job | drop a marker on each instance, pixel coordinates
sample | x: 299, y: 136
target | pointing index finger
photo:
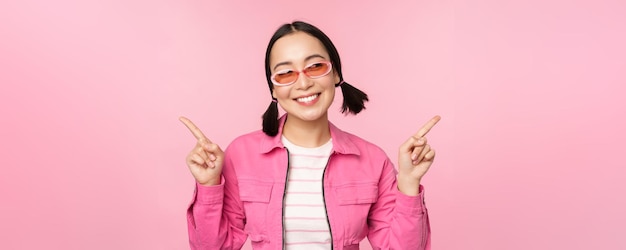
x: 430, y: 124
x: 194, y: 130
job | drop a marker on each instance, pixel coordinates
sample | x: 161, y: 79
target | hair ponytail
x: 353, y: 98
x: 270, y: 119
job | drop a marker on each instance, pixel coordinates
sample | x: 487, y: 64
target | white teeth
x: 307, y: 99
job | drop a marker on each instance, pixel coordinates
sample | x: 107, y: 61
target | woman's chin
x: 311, y: 116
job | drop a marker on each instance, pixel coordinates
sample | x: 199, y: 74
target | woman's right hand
x: 206, y: 159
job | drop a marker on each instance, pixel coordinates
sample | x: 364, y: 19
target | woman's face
x: 307, y: 99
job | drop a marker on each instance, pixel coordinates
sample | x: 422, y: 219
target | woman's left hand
x: 414, y: 159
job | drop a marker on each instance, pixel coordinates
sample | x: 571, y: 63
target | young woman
x: 302, y: 183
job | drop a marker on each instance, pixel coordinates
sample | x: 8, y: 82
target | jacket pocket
x: 256, y: 196
x: 359, y: 193
x: 355, y: 201
x: 255, y: 191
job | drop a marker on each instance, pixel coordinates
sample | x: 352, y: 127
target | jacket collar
x: 342, y: 143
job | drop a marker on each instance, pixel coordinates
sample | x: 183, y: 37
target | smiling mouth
x: 307, y: 98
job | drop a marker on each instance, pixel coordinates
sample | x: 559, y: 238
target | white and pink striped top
x: 306, y: 225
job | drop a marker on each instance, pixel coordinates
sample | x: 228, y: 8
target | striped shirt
x: 306, y: 225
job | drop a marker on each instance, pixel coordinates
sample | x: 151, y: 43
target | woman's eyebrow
x: 281, y: 63
x: 305, y: 59
x: 314, y: 56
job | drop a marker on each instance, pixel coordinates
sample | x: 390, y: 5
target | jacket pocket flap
x: 361, y: 193
x: 258, y: 237
x: 255, y: 191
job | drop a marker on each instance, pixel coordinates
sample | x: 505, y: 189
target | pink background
x: 530, y: 148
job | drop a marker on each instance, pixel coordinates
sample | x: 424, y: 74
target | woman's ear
x: 336, y: 77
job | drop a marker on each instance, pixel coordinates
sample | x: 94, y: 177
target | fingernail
x: 413, y: 156
x: 420, y: 140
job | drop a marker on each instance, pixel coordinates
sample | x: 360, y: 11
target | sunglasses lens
x: 285, y: 77
x: 314, y: 70
x: 317, y: 69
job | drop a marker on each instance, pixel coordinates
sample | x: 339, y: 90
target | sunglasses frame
x: 328, y: 63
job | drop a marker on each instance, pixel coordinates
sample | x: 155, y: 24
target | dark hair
x: 353, y: 98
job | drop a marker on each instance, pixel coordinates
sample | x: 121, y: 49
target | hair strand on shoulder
x: 353, y: 99
x: 270, y: 119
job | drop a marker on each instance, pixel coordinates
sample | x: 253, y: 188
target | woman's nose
x: 303, y: 81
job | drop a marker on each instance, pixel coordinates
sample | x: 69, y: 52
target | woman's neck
x: 308, y: 134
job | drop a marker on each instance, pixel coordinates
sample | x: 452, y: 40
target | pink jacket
x: 360, y: 195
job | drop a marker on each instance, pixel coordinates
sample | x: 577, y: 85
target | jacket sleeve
x: 398, y: 221
x: 215, y: 217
